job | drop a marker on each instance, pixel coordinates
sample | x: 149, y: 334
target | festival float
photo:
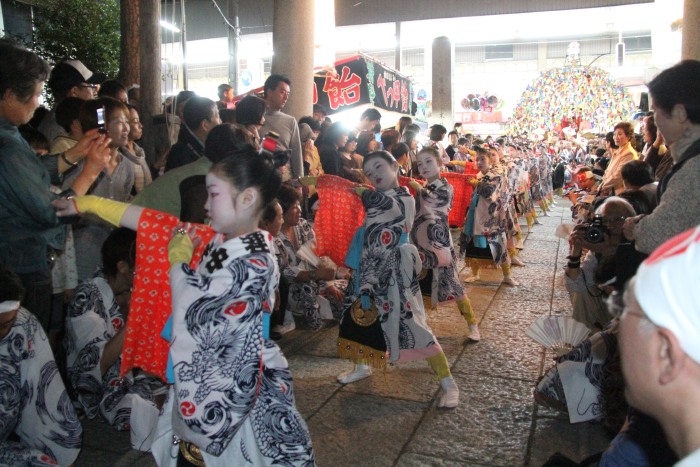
x: 571, y: 100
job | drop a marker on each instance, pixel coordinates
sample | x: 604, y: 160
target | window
x: 637, y: 44
x: 499, y: 52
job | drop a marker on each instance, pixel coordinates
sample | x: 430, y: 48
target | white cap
x: 80, y: 68
x: 9, y: 305
x: 668, y: 289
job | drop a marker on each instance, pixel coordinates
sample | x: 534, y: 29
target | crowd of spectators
x: 630, y: 194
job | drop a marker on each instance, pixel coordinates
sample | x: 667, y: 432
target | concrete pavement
x: 391, y: 419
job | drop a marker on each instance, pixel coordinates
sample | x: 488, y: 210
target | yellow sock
x: 465, y: 308
x: 506, y: 269
x: 475, y: 269
x: 533, y: 214
x: 440, y: 365
x: 512, y: 252
x: 528, y: 218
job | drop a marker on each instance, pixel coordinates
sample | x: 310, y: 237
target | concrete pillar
x: 691, y: 34
x: 293, y: 46
x: 443, y: 69
x: 397, y: 50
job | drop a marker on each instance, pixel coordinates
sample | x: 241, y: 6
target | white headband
x: 8, y: 306
x: 668, y: 289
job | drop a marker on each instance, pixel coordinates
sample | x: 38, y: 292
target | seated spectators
x: 38, y: 425
x: 314, y: 291
x: 638, y: 176
x: 675, y: 95
x: 95, y: 329
x: 624, y: 138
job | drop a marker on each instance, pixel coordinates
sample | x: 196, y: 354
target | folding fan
x: 558, y: 333
x: 307, y: 252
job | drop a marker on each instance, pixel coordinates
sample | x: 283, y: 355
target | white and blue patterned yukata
x: 233, y: 395
x: 38, y: 425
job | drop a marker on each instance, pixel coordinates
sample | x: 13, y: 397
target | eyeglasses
x: 86, y: 85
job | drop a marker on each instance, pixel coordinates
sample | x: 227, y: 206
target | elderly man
x: 587, y: 297
x: 660, y: 342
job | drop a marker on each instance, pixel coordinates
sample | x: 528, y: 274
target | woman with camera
x: 29, y: 230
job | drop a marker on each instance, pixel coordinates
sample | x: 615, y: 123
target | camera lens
x: 594, y: 234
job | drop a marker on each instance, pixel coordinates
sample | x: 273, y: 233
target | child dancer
x: 233, y: 401
x: 483, y: 238
x: 387, y: 273
x: 431, y: 235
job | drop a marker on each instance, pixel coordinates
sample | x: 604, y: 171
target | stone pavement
x: 391, y: 419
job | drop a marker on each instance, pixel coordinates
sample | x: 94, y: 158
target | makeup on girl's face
x: 381, y: 173
x: 220, y: 206
x: 427, y: 166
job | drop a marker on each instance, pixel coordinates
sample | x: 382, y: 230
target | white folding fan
x: 558, y: 333
x: 307, y: 252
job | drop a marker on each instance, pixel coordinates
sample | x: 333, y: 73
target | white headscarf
x: 668, y: 289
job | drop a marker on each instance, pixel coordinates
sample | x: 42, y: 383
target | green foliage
x: 87, y: 30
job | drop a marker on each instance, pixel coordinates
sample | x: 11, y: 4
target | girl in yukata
x: 385, y: 318
x: 232, y: 401
x: 315, y: 292
x: 483, y: 238
x: 94, y: 340
x: 431, y: 235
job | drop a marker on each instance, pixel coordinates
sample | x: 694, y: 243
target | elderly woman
x: 675, y: 96
x: 313, y: 291
x: 612, y: 180
x: 29, y: 230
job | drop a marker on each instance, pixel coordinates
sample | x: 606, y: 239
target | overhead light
x: 168, y: 26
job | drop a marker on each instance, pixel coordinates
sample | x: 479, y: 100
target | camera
x: 595, y: 230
